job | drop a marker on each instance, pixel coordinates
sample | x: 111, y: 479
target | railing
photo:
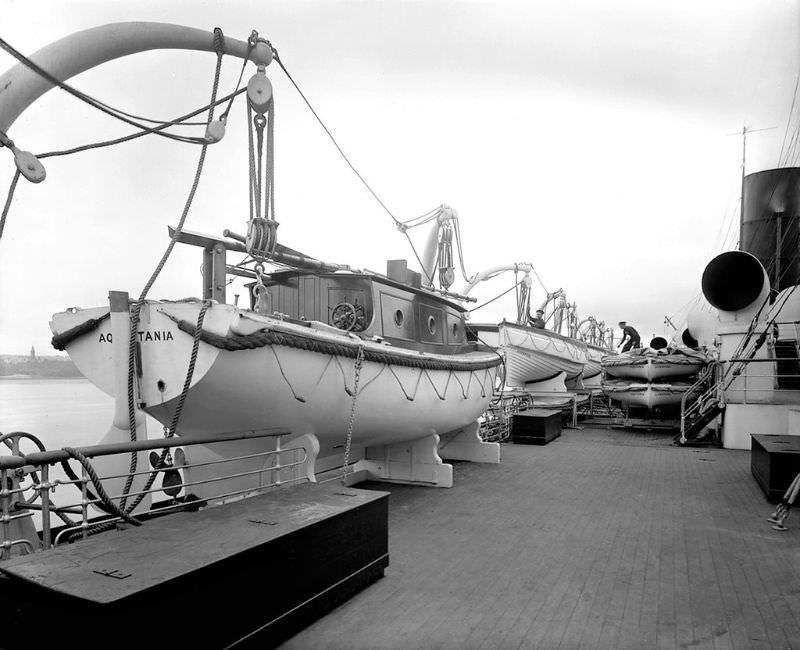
x: 709, y: 378
x: 748, y: 377
x: 26, y: 485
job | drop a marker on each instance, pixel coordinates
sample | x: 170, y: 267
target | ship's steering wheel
x: 344, y: 316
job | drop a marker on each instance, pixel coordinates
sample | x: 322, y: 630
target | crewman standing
x: 632, y: 336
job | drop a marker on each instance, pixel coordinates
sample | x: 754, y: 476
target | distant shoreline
x: 39, y: 377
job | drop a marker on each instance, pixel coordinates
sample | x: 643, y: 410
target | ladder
x: 701, y: 403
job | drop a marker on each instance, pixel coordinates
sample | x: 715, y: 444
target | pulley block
x: 259, y: 92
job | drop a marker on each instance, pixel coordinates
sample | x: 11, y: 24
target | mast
x: 744, y: 133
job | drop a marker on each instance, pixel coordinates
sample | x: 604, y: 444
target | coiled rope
x: 107, y: 502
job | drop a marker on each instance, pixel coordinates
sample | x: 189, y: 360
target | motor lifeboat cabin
x: 395, y: 307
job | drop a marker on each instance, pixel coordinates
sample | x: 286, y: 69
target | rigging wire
x: 9, y: 197
x: 108, y: 143
x: 497, y: 297
x: 139, y: 134
x: 789, y: 119
x: 88, y: 99
x: 276, y: 57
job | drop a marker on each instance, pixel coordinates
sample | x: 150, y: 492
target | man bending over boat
x: 632, y: 336
x: 537, y: 321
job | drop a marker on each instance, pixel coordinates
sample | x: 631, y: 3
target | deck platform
x: 601, y: 539
x: 245, y: 574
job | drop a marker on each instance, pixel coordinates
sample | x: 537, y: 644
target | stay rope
x: 176, y: 416
x: 9, y: 198
x: 497, y: 297
x: 136, y: 309
x: 276, y: 57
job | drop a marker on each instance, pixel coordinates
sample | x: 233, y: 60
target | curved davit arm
x: 20, y: 86
x: 488, y: 274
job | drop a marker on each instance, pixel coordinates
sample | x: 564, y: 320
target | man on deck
x: 537, y: 321
x: 632, y: 336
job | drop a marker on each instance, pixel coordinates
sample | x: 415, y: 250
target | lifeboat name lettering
x: 147, y: 335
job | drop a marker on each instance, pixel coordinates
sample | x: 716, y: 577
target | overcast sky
x: 590, y: 139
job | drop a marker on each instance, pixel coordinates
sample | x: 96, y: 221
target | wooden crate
x: 535, y: 426
x: 774, y: 462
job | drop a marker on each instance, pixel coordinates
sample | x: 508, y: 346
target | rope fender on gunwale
x: 264, y: 337
x: 61, y: 341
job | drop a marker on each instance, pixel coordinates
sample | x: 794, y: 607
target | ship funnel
x: 736, y: 284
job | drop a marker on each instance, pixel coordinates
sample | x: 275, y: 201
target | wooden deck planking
x: 602, y: 539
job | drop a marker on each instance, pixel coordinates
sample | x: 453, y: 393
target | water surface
x: 57, y: 411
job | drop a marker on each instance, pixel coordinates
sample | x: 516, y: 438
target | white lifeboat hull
x: 296, y: 383
x: 650, y: 366
x: 648, y: 395
x: 534, y: 355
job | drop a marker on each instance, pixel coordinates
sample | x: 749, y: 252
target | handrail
x: 267, y: 472
x: 109, y: 449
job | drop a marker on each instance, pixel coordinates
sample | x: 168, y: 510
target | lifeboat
x: 594, y: 364
x: 532, y: 354
x: 403, y: 356
x: 646, y: 394
x: 652, y: 365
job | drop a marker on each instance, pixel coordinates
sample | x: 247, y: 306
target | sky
x: 592, y: 140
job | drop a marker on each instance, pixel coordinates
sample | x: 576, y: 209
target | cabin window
x: 398, y: 318
x: 431, y: 325
x: 455, y: 330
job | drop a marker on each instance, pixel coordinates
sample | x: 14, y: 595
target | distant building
x: 32, y: 355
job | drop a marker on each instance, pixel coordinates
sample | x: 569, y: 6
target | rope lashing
x: 61, y: 341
